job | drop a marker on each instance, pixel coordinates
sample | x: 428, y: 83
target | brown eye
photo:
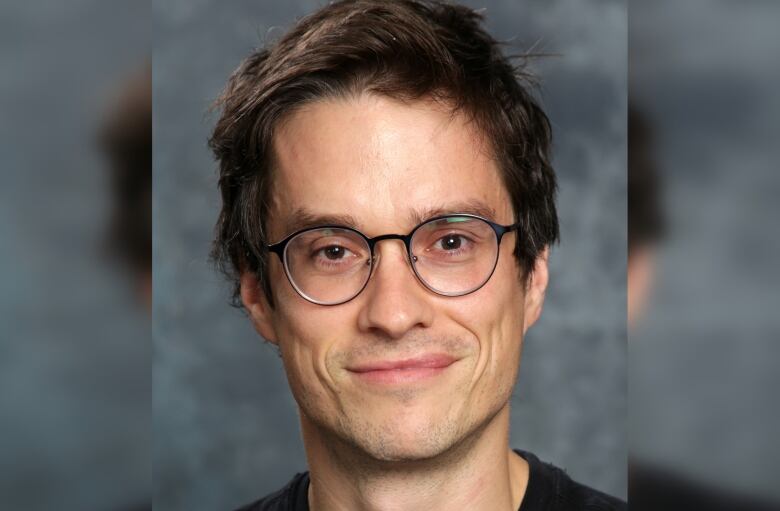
x: 333, y: 252
x: 335, y: 256
x: 451, y: 242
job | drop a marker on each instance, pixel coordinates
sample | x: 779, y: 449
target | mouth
x: 389, y: 372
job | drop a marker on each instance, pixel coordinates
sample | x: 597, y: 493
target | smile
x: 403, y: 371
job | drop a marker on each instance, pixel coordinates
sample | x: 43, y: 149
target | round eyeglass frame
x: 280, y: 249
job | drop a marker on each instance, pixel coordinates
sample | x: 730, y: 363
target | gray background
x: 703, y: 362
x: 75, y: 351
x: 225, y: 424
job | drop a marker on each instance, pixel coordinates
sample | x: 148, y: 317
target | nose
x: 395, y: 302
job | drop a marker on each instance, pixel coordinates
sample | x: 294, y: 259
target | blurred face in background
x: 391, y: 165
x: 125, y: 137
x: 645, y: 215
x: 641, y: 266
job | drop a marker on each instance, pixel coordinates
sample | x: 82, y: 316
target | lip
x: 403, y: 371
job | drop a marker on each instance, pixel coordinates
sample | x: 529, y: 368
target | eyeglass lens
x: 451, y: 256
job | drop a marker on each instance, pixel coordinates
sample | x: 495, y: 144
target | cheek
x: 498, y: 306
x: 494, y: 315
x: 303, y: 329
x: 302, y: 354
x: 307, y: 335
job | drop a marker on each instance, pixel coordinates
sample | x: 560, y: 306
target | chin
x: 392, y: 450
x: 406, y: 439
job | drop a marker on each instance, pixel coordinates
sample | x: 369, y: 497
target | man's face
x: 382, y: 162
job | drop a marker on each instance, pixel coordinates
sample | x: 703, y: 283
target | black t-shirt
x: 652, y: 487
x: 549, y: 489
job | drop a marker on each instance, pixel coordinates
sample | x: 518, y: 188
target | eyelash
x: 459, y: 250
x: 321, y: 259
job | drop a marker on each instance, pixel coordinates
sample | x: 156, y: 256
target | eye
x: 451, y: 242
x: 336, y: 255
x: 334, y: 252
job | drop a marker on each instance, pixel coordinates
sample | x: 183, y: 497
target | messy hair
x: 402, y: 49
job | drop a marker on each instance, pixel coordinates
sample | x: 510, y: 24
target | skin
x: 641, y: 265
x: 440, y: 442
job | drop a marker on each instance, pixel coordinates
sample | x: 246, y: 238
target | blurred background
x: 75, y: 352
x: 225, y: 424
x: 703, y: 352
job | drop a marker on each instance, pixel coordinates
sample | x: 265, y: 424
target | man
x: 388, y: 208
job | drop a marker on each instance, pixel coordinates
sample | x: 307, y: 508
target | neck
x: 479, y: 473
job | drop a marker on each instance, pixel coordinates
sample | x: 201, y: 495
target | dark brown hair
x: 404, y: 49
x: 126, y: 139
x: 645, y: 219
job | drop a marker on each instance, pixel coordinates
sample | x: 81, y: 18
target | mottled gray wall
x: 225, y: 424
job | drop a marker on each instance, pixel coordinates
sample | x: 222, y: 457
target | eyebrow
x: 303, y: 218
x: 472, y: 207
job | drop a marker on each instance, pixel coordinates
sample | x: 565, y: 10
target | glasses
x: 451, y: 255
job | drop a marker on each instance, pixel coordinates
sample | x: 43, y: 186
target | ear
x: 535, y: 289
x: 257, y: 306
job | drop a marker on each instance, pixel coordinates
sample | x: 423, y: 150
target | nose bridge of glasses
x: 372, y: 242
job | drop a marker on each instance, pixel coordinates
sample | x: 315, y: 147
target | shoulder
x: 656, y: 487
x: 293, y: 497
x: 580, y: 496
x: 551, y: 488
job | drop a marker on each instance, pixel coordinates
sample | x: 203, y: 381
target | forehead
x: 383, y: 162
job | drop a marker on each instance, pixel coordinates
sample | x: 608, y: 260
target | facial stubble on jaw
x: 355, y: 440
x: 380, y: 458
